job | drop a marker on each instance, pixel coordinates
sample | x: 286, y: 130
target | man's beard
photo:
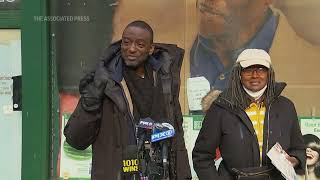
x: 134, y: 64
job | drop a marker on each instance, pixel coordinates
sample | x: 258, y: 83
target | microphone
x: 165, y: 162
x: 144, y: 128
x: 146, y: 123
x: 162, y: 132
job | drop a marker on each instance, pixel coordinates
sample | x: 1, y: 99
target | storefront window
x: 10, y: 104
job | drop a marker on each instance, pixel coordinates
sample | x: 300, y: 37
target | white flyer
x: 197, y: 88
x: 278, y: 159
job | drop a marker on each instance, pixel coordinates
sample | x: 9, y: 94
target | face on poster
x: 310, y: 128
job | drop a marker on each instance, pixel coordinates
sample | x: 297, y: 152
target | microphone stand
x: 165, y: 160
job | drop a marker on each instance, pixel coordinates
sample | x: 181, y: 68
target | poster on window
x: 310, y: 129
x: 75, y: 164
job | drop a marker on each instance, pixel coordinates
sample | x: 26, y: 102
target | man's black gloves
x: 92, y: 87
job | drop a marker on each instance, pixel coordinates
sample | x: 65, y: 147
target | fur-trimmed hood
x: 208, y: 99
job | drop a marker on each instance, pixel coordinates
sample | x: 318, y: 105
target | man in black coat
x: 136, y: 79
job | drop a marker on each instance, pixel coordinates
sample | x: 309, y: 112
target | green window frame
x: 35, y: 86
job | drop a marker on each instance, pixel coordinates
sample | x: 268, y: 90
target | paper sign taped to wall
x: 197, y: 88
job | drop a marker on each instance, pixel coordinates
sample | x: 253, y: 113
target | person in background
x: 135, y: 79
x: 245, y: 121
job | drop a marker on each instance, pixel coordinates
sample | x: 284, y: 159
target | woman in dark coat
x: 245, y: 121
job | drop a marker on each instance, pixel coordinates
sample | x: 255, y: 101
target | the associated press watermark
x: 7, y: 1
x: 61, y: 18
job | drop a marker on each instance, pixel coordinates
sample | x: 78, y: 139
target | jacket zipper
x: 268, y: 131
x: 128, y: 109
x: 268, y: 127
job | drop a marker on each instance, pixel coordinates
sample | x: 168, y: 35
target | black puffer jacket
x: 107, y: 129
x: 231, y: 130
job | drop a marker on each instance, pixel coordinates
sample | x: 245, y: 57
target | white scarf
x: 255, y: 95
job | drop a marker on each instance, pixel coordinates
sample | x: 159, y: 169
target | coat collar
x: 226, y: 104
x: 117, y: 73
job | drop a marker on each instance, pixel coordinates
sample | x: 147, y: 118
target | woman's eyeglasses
x: 250, y: 70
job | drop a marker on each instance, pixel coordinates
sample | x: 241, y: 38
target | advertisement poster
x: 75, y: 164
x: 310, y: 126
x: 287, y: 29
x: 310, y: 129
